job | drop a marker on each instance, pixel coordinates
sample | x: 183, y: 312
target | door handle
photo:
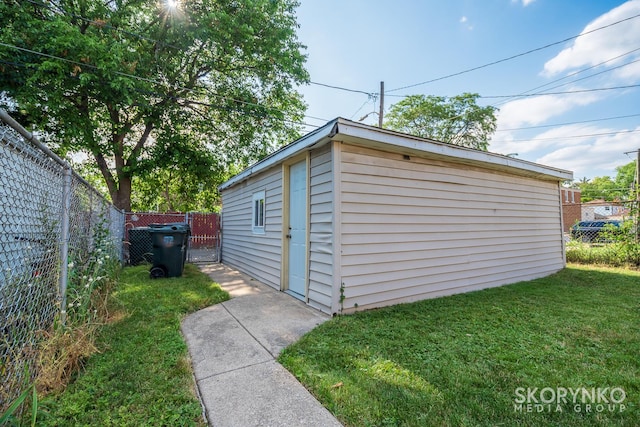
x: 288, y: 236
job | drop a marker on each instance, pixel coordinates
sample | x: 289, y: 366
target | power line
x: 560, y: 93
x: 570, y: 137
x: 173, y: 97
x: 316, y: 118
x: 361, y: 107
x: 550, y: 93
x: 82, y: 64
x: 512, y: 57
x: 569, y: 123
x: 156, y: 82
x: 526, y: 93
x: 344, y: 89
x: 582, y: 71
x: 102, y: 24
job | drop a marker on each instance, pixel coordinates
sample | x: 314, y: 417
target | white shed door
x: 298, y: 228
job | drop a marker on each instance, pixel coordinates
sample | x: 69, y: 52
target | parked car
x: 594, y: 231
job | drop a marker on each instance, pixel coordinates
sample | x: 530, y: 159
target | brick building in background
x: 571, y: 207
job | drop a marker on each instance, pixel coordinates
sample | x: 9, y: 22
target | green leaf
x: 118, y: 79
x: 16, y: 404
x: 457, y: 120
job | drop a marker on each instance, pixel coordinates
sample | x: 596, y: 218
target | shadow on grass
x: 458, y: 360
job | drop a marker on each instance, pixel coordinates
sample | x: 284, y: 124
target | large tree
x: 603, y: 187
x: 145, y: 85
x: 456, y: 120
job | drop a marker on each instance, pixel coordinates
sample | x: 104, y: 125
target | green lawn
x: 143, y: 374
x: 458, y: 360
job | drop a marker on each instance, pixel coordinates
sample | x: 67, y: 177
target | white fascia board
x: 309, y: 140
x: 463, y: 154
x: 370, y: 136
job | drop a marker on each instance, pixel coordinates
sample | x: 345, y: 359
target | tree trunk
x: 122, y: 196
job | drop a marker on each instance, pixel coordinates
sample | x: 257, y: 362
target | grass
x: 618, y: 254
x: 457, y: 361
x: 142, y: 375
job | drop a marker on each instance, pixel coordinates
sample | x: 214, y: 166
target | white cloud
x: 627, y: 74
x: 564, y: 148
x: 464, y: 21
x: 538, y: 109
x: 563, y: 136
x: 594, y: 48
x: 592, y: 156
x: 525, y: 3
x: 588, y: 155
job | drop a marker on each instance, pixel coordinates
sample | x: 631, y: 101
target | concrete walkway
x: 233, y: 346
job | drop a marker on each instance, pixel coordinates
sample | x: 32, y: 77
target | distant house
x: 602, y: 209
x: 352, y: 217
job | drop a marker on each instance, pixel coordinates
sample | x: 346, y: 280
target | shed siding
x: 321, y: 232
x: 258, y: 255
x: 418, y: 228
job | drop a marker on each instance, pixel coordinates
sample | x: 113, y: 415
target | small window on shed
x: 258, y: 214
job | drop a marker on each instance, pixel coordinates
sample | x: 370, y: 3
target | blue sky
x: 355, y: 44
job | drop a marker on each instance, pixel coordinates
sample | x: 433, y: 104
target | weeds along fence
x: 55, y: 229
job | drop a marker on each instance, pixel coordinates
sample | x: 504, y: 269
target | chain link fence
x: 204, y: 236
x: 599, y: 222
x: 604, y: 233
x: 50, y: 220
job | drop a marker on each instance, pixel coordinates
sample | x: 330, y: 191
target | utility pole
x: 635, y: 213
x: 638, y: 195
x: 637, y: 190
x: 638, y: 178
x: 380, y: 116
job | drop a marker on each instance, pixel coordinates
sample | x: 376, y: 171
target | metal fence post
x: 188, y: 219
x: 64, y: 244
x: 48, y: 214
x: 123, y: 237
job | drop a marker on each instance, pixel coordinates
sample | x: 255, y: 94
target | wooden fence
x: 205, y: 227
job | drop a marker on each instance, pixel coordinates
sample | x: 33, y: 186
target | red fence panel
x: 205, y: 227
x: 143, y: 219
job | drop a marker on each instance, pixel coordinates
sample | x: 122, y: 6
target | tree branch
x: 106, y: 173
x: 138, y: 147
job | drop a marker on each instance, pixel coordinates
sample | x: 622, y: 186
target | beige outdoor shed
x: 352, y: 217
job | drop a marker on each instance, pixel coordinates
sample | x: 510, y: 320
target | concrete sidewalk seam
x: 253, y: 389
x: 236, y: 369
x: 248, y: 331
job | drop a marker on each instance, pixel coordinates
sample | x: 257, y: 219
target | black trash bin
x: 170, y: 243
x: 140, y: 246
